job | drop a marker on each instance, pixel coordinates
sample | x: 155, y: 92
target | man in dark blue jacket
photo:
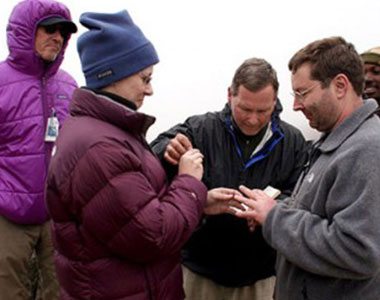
x: 245, y: 143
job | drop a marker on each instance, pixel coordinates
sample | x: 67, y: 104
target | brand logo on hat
x: 104, y: 74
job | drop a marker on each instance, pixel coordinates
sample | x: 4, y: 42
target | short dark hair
x: 329, y: 57
x: 254, y: 74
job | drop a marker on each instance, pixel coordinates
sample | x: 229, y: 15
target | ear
x: 229, y: 94
x: 341, y: 85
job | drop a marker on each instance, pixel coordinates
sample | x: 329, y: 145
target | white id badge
x: 52, y: 128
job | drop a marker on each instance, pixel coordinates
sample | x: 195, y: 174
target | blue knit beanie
x: 113, y: 48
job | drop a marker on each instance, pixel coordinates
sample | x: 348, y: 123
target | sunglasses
x: 51, y: 29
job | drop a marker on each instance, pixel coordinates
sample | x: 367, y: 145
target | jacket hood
x: 21, y: 29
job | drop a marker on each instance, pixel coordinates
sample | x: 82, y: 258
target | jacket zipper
x: 45, y: 108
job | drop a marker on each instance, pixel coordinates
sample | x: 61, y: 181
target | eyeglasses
x: 145, y: 78
x: 51, y: 29
x: 301, y: 95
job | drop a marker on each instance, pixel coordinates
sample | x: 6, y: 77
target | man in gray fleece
x: 327, y: 234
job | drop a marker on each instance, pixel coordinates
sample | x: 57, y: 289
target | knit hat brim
x: 121, y: 67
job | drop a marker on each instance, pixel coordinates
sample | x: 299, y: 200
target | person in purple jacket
x: 34, y: 98
x: 118, y: 225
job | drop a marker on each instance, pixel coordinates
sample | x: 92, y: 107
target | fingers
x: 237, y: 204
x: 233, y: 206
x: 176, y: 148
x: 222, y: 194
x: 250, y: 203
x: 221, y: 200
x: 228, y: 191
x: 172, y: 154
x: 184, y: 141
x: 195, y: 155
x: 251, y: 225
x: 246, y: 191
x: 249, y: 214
x: 174, y: 160
x: 191, y: 163
x: 225, y: 200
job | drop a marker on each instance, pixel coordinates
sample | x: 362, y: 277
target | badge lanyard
x: 52, y: 127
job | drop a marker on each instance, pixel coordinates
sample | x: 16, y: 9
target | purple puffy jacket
x: 29, y: 91
x: 118, y: 226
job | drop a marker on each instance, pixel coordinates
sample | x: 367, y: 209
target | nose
x: 253, y: 119
x: 57, y: 35
x: 368, y: 77
x: 296, y: 104
x: 149, y: 90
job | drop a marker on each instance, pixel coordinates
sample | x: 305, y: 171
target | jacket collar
x: 334, y: 139
x: 102, y: 107
x: 271, y: 138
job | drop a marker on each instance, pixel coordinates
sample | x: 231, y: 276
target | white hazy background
x: 201, y: 43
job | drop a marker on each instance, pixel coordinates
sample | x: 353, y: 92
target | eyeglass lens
x: 50, y: 29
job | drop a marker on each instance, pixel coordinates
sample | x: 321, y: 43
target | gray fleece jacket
x: 327, y: 233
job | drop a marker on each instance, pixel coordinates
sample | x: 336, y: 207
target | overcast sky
x: 201, y: 42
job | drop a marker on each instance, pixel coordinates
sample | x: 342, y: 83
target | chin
x: 50, y: 57
x: 250, y: 132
